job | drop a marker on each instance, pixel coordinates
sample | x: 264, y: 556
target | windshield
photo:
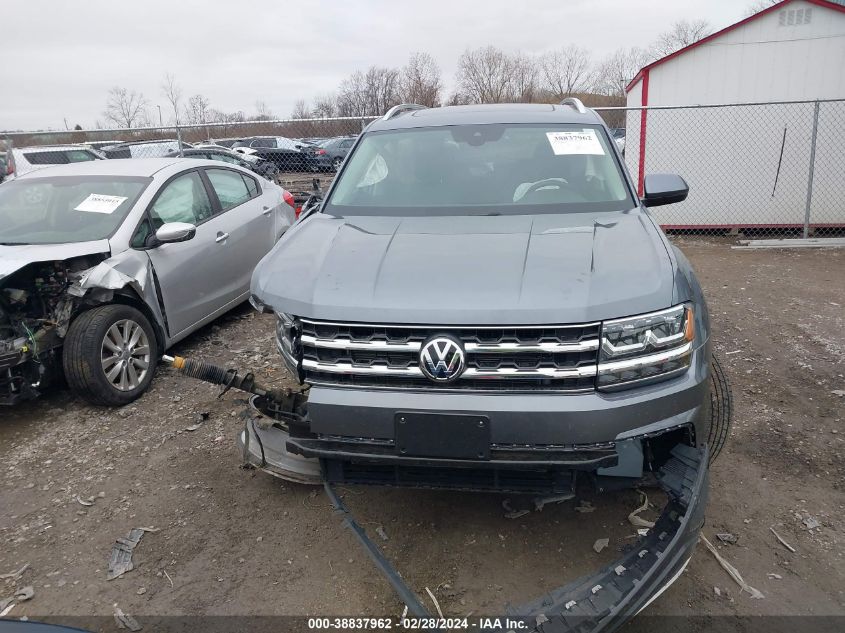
x: 482, y: 168
x: 63, y: 209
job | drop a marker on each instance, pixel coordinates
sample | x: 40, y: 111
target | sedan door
x: 195, y: 281
x: 246, y: 226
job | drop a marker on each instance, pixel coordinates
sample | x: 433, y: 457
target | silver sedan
x: 106, y: 264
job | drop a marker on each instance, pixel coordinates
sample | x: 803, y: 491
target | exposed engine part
x: 35, y: 312
x: 280, y: 403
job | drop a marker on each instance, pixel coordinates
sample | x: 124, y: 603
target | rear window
x: 263, y: 142
x: 64, y: 209
x: 60, y: 157
x: 491, y: 168
x: 230, y: 187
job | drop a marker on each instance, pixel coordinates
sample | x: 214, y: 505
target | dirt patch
x: 239, y: 542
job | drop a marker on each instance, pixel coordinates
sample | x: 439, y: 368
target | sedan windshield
x: 63, y: 209
x: 520, y: 168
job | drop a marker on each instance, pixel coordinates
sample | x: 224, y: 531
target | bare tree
x: 198, y: 110
x: 125, y: 108
x: 566, y: 71
x: 457, y: 98
x: 617, y: 70
x: 325, y: 106
x: 683, y: 33
x: 300, y: 110
x: 173, y: 93
x: 759, y: 5
x: 421, y: 81
x: 484, y: 75
x: 374, y: 92
x: 382, y: 89
x: 351, y: 96
x: 263, y: 113
x: 525, y: 75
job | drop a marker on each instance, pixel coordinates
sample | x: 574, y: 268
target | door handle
x: 221, y: 237
x: 267, y: 211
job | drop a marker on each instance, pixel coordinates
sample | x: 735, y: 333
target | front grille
x: 518, y: 358
x: 538, y: 482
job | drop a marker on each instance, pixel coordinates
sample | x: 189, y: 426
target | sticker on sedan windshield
x: 100, y: 203
x: 583, y: 142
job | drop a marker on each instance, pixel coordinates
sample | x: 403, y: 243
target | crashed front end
x: 371, y: 418
x: 600, y: 601
x: 35, y: 311
x: 39, y: 297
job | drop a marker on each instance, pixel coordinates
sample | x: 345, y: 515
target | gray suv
x: 483, y: 301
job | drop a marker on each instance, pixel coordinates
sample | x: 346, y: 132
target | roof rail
x: 575, y: 102
x: 399, y: 109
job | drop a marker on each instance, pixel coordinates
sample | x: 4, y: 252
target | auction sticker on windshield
x: 571, y: 142
x: 100, y: 203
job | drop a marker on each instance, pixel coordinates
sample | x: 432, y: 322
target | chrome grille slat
x: 498, y: 358
x: 481, y: 348
x: 374, y: 346
x: 503, y: 348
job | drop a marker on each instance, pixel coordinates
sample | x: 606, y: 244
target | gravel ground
x: 234, y: 542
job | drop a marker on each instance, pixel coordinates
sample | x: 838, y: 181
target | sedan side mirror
x: 659, y: 189
x: 175, y: 232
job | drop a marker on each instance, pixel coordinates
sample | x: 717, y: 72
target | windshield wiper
x: 14, y: 243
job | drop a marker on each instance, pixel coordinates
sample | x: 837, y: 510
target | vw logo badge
x: 442, y: 359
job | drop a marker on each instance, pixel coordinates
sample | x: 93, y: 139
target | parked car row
x: 301, y: 154
x: 265, y: 155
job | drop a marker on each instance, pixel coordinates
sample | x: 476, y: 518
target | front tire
x: 721, y: 409
x: 110, y: 355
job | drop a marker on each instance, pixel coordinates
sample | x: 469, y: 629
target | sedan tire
x: 110, y: 355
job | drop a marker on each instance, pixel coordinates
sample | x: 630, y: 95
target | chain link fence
x: 761, y: 170
x: 757, y: 170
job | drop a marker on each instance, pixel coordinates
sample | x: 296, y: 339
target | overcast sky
x: 61, y: 57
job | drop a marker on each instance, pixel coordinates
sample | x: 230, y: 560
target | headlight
x: 647, y: 347
x: 286, y: 339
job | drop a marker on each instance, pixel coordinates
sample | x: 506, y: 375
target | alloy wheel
x: 125, y: 355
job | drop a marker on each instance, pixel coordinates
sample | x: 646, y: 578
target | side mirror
x: 659, y: 189
x: 175, y: 232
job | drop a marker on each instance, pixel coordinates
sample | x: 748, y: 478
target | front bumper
x: 535, y: 441
x: 606, y: 600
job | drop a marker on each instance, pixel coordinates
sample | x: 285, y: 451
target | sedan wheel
x: 109, y: 354
x: 336, y: 163
x: 125, y: 355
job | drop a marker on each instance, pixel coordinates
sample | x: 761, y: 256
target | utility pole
x: 160, y: 122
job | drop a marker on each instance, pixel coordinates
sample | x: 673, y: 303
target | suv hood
x: 468, y: 270
x: 13, y: 258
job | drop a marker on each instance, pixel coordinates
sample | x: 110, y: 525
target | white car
x: 272, y: 142
x: 27, y: 159
x: 144, y: 149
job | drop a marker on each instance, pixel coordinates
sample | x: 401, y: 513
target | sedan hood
x: 469, y: 270
x: 13, y: 258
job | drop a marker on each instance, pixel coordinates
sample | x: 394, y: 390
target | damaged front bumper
x: 603, y: 601
x: 263, y: 445
x: 607, y: 599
